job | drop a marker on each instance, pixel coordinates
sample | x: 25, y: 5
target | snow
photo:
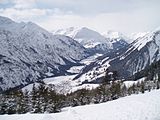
x: 84, y: 86
x: 62, y: 84
x: 27, y: 44
x: 141, y: 42
x: 58, y: 80
x: 30, y: 87
x: 90, y: 59
x: 71, y: 31
x: 86, y: 61
x: 96, y: 72
x: 135, y: 107
x: 87, y: 37
x: 66, y: 84
x: 134, y: 36
x: 75, y: 69
x: 145, y: 38
x: 130, y: 83
x: 91, y: 44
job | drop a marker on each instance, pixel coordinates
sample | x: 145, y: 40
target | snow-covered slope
x: 71, y: 31
x: 135, y: 107
x: 134, y: 36
x: 85, y: 36
x: 127, y: 61
x: 141, y: 53
x: 88, y: 38
x: 29, y: 53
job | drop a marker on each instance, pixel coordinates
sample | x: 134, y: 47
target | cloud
x: 136, y: 21
x: 27, y: 10
x: 89, y: 7
x: 4, y: 1
x: 24, y: 14
x: 120, y: 15
x: 21, y: 4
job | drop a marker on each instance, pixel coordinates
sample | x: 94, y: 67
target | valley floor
x: 135, y: 107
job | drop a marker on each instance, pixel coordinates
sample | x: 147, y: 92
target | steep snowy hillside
x: 139, y: 55
x: 126, y: 61
x: 29, y: 53
x: 88, y: 38
x: 136, y: 107
x: 135, y: 36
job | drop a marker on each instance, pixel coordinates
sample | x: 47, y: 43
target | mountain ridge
x: 29, y: 53
x: 93, y: 40
x: 127, y: 61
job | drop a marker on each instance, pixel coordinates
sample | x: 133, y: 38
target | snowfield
x: 135, y: 107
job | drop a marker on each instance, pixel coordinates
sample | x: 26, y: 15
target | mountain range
x: 29, y: 53
x: 127, y: 61
x: 95, y: 41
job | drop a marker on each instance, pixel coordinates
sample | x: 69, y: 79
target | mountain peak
x: 85, y: 28
x: 90, y: 38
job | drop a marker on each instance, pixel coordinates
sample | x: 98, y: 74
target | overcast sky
x: 126, y: 16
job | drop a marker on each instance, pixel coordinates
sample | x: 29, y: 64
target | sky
x: 126, y: 16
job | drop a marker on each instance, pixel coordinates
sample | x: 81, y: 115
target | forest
x: 45, y: 99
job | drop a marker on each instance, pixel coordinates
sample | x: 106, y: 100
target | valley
x: 79, y: 60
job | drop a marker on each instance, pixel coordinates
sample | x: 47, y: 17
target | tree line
x: 44, y: 98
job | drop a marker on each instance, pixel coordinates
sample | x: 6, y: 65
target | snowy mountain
x: 85, y: 36
x: 126, y: 108
x: 117, y: 39
x: 71, y: 31
x: 88, y: 38
x: 29, y: 53
x: 93, y: 40
x: 127, y: 61
x: 116, y: 36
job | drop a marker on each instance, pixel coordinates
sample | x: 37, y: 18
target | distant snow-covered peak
x: 113, y: 34
x: 84, y: 35
x: 71, y: 31
x: 77, y: 32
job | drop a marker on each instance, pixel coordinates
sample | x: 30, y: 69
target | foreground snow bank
x: 136, y: 107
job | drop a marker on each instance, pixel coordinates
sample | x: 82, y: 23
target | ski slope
x: 135, y: 107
